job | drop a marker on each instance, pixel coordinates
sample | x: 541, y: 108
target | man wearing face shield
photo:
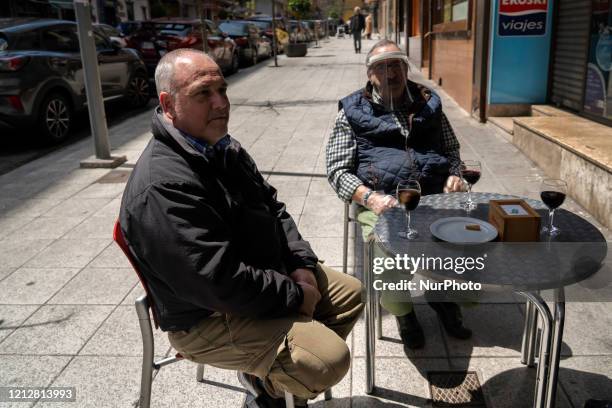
x: 392, y: 130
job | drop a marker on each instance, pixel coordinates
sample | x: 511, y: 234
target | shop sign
x: 522, y: 17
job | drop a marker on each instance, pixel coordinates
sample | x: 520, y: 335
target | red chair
x: 143, y: 304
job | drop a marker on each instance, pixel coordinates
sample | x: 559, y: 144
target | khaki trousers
x: 296, y: 354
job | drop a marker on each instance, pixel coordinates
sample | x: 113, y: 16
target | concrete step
x: 573, y: 149
x: 548, y: 110
x: 505, y: 123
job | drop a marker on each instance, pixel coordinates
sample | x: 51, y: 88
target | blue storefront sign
x: 520, y: 51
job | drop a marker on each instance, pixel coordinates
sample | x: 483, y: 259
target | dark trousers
x: 357, y: 41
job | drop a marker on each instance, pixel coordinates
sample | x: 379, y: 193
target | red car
x: 156, y: 38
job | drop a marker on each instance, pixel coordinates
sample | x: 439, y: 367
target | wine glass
x: 409, y: 195
x: 552, y: 192
x: 470, y: 172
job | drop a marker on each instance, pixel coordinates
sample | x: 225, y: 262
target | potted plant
x: 298, y: 8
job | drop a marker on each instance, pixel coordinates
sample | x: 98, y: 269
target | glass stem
x: 408, y: 228
x: 551, y: 216
x: 469, y: 193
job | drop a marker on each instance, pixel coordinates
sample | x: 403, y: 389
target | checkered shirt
x: 341, y: 153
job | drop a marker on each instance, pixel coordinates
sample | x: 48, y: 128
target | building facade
x: 499, y: 57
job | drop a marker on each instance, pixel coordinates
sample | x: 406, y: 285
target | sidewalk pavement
x: 66, y: 291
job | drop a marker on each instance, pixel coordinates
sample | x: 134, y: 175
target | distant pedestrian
x: 368, y: 27
x: 357, y: 23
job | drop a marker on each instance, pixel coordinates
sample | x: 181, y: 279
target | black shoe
x: 410, y: 331
x: 257, y: 396
x: 450, y: 316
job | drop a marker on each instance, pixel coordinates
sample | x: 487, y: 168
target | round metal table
x: 522, y: 268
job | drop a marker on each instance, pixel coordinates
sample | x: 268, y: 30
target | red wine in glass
x: 553, y: 193
x: 409, y: 195
x: 552, y: 199
x: 410, y: 198
x: 470, y: 172
x: 471, y: 176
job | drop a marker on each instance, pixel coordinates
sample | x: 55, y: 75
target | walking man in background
x: 357, y: 26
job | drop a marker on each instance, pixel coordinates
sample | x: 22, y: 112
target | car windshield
x: 233, y: 28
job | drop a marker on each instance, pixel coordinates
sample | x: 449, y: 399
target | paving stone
x: 34, y: 285
x: 101, y: 286
x: 330, y: 250
x: 4, y: 272
x: 101, y: 382
x: 26, y: 208
x: 506, y: 383
x: 29, y: 371
x: 587, y: 377
x: 400, y: 382
x: 46, y: 228
x: 10, y: 225
x: 120, y: 336
x: 98, y: 190
x: 78, y: 208
x: 588, y: 329
x: 11, y: 317
x: 176, y: 385
x: 55, y: 330
x: 111, y: 257
x: 14, y: 253
x: 93, y: 227
x: 69, y: 253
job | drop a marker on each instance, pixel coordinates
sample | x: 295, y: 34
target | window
x: 61, y: 39
x: 28, y: 40
x: 446, y: 11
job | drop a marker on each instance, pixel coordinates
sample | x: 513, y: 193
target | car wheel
x: 55, y: 118
x: 137, y: 92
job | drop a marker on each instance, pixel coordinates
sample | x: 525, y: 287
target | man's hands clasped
x: 308, y: 282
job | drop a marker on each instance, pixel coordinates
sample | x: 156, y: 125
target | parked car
x: 155, y: 39
x: 41, y: 75
x: 116, y: 36
x: 251, y: 44
x: 265, y: 24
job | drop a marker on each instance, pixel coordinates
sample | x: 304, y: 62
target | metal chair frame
x: 143, y: 304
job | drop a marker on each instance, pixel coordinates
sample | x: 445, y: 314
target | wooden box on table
x: 515, y: 220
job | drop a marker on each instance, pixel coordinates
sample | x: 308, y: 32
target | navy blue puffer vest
x: 385, y: 155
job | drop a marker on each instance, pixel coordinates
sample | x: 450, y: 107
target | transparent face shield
x: 388, y: 73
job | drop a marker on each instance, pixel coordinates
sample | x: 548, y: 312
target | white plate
x: 452, y: 229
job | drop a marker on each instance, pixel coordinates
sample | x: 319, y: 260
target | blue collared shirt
x: 205, y: 148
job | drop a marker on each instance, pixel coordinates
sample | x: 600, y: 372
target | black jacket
x: 357, y: 23
x: 208, y: 233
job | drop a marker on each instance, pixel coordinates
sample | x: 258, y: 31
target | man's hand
x: 380, y: 203
x: 311, y: 298
x: 454, y: 184
x: 304, y: 275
